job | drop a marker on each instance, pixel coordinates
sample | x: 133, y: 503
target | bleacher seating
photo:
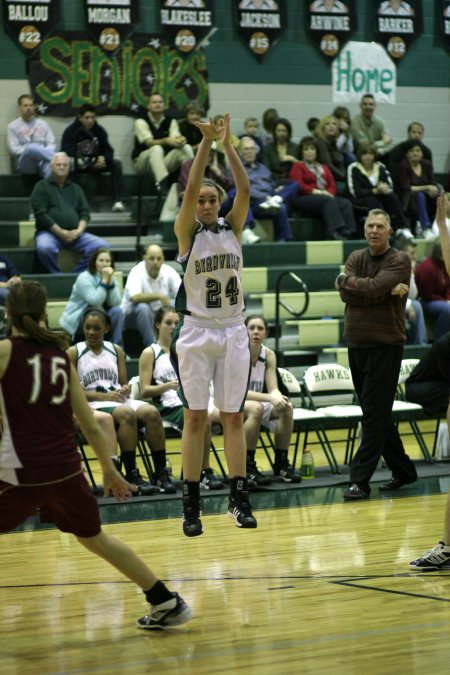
x: 316, y: 262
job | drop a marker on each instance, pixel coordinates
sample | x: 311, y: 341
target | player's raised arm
x: 239, y: 210
x: 185, y: 220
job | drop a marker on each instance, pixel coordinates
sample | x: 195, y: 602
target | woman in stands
x: 102, y: 372
x: 317, y: 193
x: 417, y: 187
x: 282, y: 152
x: 328, y: 152
x: 370, y: 185
x: 158, y: 381
x: 39, y: 464
x: 344, y: 140
x: 96, y: 286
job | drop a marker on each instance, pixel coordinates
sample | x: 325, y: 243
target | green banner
x: 69, y: 70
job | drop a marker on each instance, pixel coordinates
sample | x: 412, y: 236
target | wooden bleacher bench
x: 321, y: 304
x: 264, y: 279
x: 319, y: 332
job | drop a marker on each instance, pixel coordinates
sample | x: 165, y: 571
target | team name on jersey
x: 256, y: 385
x: 228, y: 261
x: 97, y: 374
x: 168, y: 376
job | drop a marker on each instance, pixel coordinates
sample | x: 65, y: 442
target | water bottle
x: 307, y: 465
x: 168, y: 466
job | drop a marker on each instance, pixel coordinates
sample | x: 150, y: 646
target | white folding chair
x: 307, y: 420
x: 329, y: 390
x: 406, y: 411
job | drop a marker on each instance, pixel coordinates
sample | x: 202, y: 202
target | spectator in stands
x: 30, y: 140
x: 8, y: 277
x: 370, y: 184
x: 269, y: 117
x: 62, y: 214
x: 266, y: 199
x: 369, y: 128
x: 86, y: 143
x: 418, y: 188
x: 317, y: 193
x: 312, y: 125
x: 344, y: 140
x: 251, y: 130
x: 103, y: 376
x: 159, y: 147
x: 433, y: 283
x: 158, y: 381
x: 416, y: 330
x: 327, y: 151
x: 280, y: 153
x: 193, y: 113
x: 150, y: 284
x: 266, y: 406
x: 96, y: 286
x: 415, y: 132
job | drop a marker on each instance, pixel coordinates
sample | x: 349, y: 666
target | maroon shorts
x: 69, y: 504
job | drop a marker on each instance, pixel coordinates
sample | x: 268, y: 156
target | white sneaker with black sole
x: 173, y: 612
x: 435, y: 560
x: 249, y: 237
x: 241, y: 513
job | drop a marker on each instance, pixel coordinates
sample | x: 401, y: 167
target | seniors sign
x: 363, y: 68
x: 69, y: 70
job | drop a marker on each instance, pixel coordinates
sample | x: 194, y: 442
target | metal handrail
x: 279, y: 301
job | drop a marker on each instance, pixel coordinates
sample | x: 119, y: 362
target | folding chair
x: 304, y: 421
x: 406, y: 411
x: 81, y: 442
x: 329, y: 390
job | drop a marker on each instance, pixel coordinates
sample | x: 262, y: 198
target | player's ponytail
x: 25, y: 306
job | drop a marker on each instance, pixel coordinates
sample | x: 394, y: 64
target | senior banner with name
x: 70, y: 70
x: 260, y: 23
x: 110, y: 22
x: 398, y: 24
x: 444, y: 21
x: 187, y: 23
x: 363, y: 68
x: 31, y: 21
x: 330, y: 24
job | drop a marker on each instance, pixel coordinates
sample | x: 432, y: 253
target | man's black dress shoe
x: 394, y: 484
x: 355, y: 494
